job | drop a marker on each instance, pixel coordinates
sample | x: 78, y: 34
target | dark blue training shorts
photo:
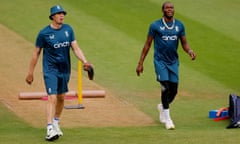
x: 56, y: 83
x: 166, y: 72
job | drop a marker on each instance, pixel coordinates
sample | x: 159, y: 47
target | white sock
x: 49, y: 127
x: 167, y: 114
x: 56, y: 120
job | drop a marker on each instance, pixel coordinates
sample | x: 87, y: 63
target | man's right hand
x: 29, y: 79
x: 139, y: 69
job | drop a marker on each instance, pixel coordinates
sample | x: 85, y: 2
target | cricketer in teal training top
x: 56, y: 40
x: 56, y: 56
x: 166, y: 33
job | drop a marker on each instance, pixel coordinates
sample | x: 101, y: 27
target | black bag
x: 234, y: 111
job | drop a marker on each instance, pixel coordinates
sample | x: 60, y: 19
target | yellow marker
x: 79, y: 106
x: 79, y: 82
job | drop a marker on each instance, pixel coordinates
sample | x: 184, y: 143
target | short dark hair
x: 163, y: 5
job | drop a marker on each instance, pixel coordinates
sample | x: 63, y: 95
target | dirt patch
x: 99, y: 112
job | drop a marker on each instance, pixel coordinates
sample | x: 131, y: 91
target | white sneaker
x: 169, y: 125
x: 56, y: 127
x: 162, y: 118
x: 51, y: 135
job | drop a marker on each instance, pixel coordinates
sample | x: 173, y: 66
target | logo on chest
x: 66, y: 34
x: 51, y: 36
x: 171, y: 38
x: 63, y: 44
x: 169, y: 34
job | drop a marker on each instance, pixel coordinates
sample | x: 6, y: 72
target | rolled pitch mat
x: 39, y: 95
x: 93, y: 93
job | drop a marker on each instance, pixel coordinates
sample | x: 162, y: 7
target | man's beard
x: 169, y: 17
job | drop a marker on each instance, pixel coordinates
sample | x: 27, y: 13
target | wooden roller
x: 40, y: 95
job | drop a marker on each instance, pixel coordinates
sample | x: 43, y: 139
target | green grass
x: 112, y: 34
x: 14, y: 130
x: 198, y: 130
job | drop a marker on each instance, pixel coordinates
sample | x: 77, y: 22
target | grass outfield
x: 15, y: 131
x: 112, y: 34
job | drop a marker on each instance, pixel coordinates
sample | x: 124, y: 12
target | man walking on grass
x: 55, y: 40
x: 166, y: 33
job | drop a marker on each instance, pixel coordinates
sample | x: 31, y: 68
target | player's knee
x: 60, y: 97
x: 164, y: 87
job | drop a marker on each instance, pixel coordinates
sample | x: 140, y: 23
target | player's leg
x: 50, y: 110
x: 165, y: 101
x: 59, y: 105
x: 59, y: 108
x: 173, y: 89
x: 165, y: 94
x: 162, y: 77
x: 51, y: 88
x: 51, y: 107
x: 162, y: 73
x: 63, y: 80
x: 173, y: 81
